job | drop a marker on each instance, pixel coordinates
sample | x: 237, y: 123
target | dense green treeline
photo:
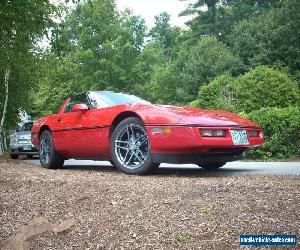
x: 241, y: 56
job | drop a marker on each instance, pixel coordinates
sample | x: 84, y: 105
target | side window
x: 75, y: 100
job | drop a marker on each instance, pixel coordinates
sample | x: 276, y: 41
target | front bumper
x: 188, y: 140
x: 23, y: 149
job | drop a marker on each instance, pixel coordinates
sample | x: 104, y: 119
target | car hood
x: 203, y: 117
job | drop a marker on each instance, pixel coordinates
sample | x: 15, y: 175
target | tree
x: 203, y: 62
x: 271, y: 39
x: 22, y: 22
x: 165, y: 34
x: 217, y: 17
x: 94, y: 48
x: 206, y: 21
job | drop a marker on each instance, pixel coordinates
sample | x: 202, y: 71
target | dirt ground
x: 161, y: 211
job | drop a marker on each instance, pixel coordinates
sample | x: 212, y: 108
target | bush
x: 265, y: 87
x: 281, y: 128
x: 218, y: 94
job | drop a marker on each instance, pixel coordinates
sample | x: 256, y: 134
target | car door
x: 77, y: 134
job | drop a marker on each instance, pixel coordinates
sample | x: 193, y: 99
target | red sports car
x: 136, y: 136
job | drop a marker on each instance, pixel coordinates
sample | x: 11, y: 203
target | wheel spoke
x: 126, y: 163
x: 143, y: 141
x: 122, y: 142
x: 118, y: 146
x: 140, y: 152
x: 124, y: 159
x: 128, y: 134
x: 132, y: 133
x: 139, y: 159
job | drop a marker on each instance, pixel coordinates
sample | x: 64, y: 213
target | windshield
x: 27, y: 126
x: 102, y: 99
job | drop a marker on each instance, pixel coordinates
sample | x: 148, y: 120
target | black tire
x: 112, y: 164
x: 14, y: 157
x: 134, y: 156
x: 29, y: 156
x: 211, y: 166
x: 155, y: 165
x: 49, y: 158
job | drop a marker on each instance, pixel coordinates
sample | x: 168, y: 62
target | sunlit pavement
x: 238, y: 168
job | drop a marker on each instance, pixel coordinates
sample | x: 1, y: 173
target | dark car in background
x: 20, y: 142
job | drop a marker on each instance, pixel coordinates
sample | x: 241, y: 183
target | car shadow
x: 189, y: 172
x: 169, y: 171
x: 99, y: 168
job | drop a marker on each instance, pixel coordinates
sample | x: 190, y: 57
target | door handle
x: 59, y: 119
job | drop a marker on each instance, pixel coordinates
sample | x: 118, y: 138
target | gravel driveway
x: 166, y: 211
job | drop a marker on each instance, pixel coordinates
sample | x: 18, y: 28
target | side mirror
x: 80, y: 107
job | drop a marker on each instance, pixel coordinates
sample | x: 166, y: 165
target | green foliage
x: 205, y: 210
x: 22, y: 24
x: 218, y: 94
x: 164, y: 33
x: 94, y: 48
x: 178, y: 81
x: 265, y: 87
x: 182, y: 238
x: 271, y: 38
x: 281, y: 128
x: 260, y: 87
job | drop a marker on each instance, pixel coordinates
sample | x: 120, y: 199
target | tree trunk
x: 2, y: 139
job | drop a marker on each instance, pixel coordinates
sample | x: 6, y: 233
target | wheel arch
x: 43, y: 128
x: 122, y: 116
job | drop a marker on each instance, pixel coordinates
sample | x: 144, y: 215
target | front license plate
x: 27, y: 147
x: 239, y: 137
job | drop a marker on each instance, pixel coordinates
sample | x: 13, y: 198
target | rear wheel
x: 14, y: 156
x: 49, y: 158
x: 130, y: 147
x: 211, y: 166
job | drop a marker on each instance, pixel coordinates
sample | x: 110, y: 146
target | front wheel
x: 49, y: 158
x: 211, y: 166
x: 130, y: 147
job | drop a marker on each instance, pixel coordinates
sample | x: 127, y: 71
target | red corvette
x: 136, y: 136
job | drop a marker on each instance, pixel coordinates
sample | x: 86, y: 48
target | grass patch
x: 182, y: 238
x: 205, y: 210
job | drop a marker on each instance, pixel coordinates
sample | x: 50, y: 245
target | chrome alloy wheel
x: 45, y: 149
x: 132, y: 146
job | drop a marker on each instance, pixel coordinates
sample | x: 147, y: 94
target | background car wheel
x: 49, y: 158
x: 29, y: 156
x: 14, y: 156
x: 211, y: 166
x: 130, y: 147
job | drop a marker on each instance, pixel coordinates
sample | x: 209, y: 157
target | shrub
x: 281, y: 128
x: 265, y: 87
x: 218, y: 94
